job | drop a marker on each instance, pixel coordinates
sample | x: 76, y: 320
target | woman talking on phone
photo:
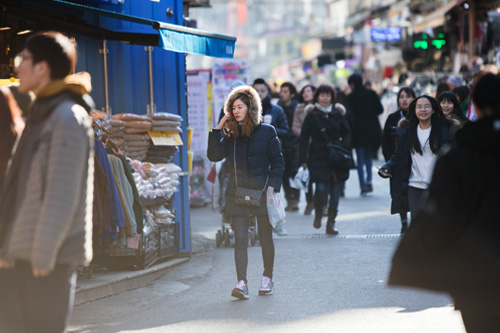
x: 255, y: 162
x: 422, y: 134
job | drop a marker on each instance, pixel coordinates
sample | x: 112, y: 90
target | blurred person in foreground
x: 453, y: 243
x: 366, y: 130
x: 11, y: 128
x: 390, y: 137
x: 46, y: 198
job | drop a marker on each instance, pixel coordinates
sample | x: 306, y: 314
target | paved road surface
x: 322, y: 284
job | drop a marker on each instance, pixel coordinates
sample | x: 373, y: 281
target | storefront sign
x: 391, y: 34
x: 165, y: 138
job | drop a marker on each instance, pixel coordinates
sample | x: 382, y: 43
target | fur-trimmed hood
x: 255, y: 109
x: 336, y: 107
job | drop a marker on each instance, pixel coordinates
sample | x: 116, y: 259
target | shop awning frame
x: 436, y: 18
x: 170, y: 36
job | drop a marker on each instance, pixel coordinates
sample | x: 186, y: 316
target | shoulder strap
x: 235, y: 175
x: 323, y: 131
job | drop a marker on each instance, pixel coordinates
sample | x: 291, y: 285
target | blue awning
x: 171, y: 37
x: 189, y: 40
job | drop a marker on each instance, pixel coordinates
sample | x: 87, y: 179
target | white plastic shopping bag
x: 301, y: 180
x: 275, y: 209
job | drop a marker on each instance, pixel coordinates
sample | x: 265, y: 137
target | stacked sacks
x: 163, y: 121
x: 161, y: 154
x: 136, y: 139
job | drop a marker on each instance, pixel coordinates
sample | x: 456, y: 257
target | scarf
x: 325, y: 109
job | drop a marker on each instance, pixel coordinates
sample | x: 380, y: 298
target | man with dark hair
x: 274, y: 115
x: 290, y: 145
x: 365, y: 126
x: 46, y: 198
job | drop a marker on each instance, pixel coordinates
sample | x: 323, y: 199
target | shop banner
x: 224, y: 73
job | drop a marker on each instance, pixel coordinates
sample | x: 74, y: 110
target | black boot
x: 330, y: 224
x: 318, y: 215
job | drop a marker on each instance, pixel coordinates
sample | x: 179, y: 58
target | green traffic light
x: 422, y: 44
x: 438, y: 43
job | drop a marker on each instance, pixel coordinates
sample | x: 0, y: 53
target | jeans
x: 45, y: 302
x: 322, y: 190
x: 240, y: 226
x: 414, y: 199
x: 364, y: 159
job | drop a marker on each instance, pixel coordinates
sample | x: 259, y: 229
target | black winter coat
x: 366, y: 107
x: 278, y: 117
x: 453, y: 244
x: 399, y: 166
x: 313, y: 148
x: 256, y: 159
x: 389, y: 135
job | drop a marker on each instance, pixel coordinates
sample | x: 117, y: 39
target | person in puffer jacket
x: 254, y: 159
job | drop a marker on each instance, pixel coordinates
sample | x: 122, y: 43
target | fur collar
x: 255, y: 110
x: 337, y: 108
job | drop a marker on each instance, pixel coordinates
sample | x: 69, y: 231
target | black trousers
x: 414, y: 199
x: 290, y: 160
x: 45, y: 302
x: 240, y: 227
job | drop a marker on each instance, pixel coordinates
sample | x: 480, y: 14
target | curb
x: 115, y: 283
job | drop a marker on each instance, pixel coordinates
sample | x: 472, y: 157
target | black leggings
x: 240, y: 227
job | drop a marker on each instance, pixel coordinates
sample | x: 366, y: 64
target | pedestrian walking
x: 366, y: 130
x: 313, y: 152
x: 306, y: 97
x: 275, y: 116
x: 411, y: 165
x: 46, y: 198
x: 452, y: 244
x: 463, y: 97
x: 290, y: 145
x: 253, y: 153
x: 404, y: 98
x: 452, y: 110
x: 11, y: 128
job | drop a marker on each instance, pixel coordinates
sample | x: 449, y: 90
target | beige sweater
x: 54, y: 221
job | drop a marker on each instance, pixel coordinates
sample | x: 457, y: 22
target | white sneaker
x: 266, y: 286
x: 241, y: 290
x: 279, y: 230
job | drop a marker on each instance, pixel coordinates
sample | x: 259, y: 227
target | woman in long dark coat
x: 411, y: 166
x: 254, y: 148
x: 313, y: 153
x: 453, y: 244
x: 390, y: 137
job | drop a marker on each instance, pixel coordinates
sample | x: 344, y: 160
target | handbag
x: 339, y: 157
x: 245, y: 196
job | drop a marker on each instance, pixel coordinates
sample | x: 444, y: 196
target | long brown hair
x: 246, y: 126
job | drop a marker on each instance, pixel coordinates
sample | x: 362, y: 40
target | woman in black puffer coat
x: 313, y: 152
x: 254, y: 148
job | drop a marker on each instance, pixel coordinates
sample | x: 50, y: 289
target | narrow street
x: 322, y: 284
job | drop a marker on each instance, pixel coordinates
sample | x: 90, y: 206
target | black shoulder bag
x: 246, y: 196
x: 340, y: 158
